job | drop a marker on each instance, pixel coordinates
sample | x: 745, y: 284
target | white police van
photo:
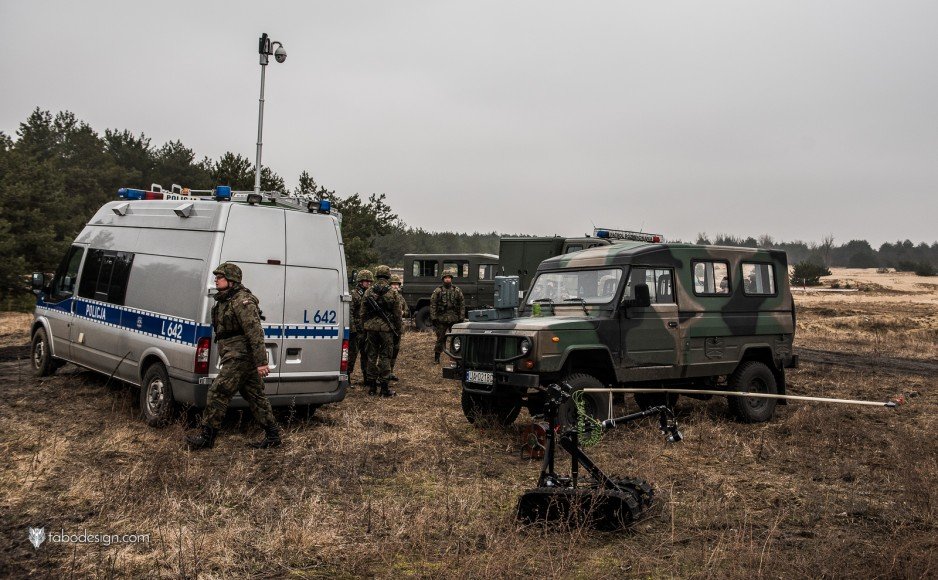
x: 133, y: 295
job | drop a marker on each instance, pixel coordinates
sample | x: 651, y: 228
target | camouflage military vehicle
x: 635, y: 314
x: 473, y: 273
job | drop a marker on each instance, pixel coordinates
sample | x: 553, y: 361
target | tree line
x: 57, y: 171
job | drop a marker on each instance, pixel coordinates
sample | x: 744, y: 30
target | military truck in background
x: 473, y: 273
x: 633, y: 314
x: 521, y: 256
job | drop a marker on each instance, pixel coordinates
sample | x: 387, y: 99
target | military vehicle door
x: 261, y: 260
x: 650, y: 335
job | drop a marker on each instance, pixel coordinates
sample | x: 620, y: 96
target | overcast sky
x: 796, y: 119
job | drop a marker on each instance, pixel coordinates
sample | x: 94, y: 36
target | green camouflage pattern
x: 386, y: 299
x: 364, y: 275
x: 383, y: 272
x: 402, y: 305
x: 237, y: 376
x: 447, y: 305
x: 237, y: 312
x: 690, y: 334
x: 380, y: 352
x: 230, y: 271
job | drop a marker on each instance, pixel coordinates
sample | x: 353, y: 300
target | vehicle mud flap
x: 599, y: 508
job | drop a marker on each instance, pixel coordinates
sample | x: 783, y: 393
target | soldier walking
x: 447, y: 306
x: 236, y: 320
x: 356, y: 338
x: 396, y: 287
x: 380, y: 314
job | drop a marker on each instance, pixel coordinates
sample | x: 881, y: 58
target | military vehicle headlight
x: 457, y: 343
x: 525, y: 346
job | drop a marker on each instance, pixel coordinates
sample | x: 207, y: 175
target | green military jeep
x: 635, y: 314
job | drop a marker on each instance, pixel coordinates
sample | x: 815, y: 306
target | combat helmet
x: 383, y: 272
x: 230, y: 271
x: 395, y: 279
x: 364, y: 275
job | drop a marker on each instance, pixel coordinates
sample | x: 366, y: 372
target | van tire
x: 498, y: 409
x: 41, y: 355
x: 422, y: 319
x: 157, y: 405
x: 754, y: 377
x: 646, y: 401
x: 596, y: 404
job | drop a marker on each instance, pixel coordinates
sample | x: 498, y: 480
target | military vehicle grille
x: 481, y: 351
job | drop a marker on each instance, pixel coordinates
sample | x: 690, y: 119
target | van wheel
x: 157, y: 405
x: 422, y: 319
x: 596, y: 405
x: 646, y: 401
x: 41, y: 355
x: 753, y: 377
x: 498, y: 409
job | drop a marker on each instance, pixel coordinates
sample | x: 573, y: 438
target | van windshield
x: 576, y: 286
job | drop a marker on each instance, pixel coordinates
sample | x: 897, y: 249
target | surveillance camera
x: 280, y: 54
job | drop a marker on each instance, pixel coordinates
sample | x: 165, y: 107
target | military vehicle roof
x: 456, y: 256
x: 625, y: 252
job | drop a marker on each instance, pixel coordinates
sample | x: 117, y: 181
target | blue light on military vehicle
x: 602, y: 233
x: 128, y: 193
x: 223, y: 192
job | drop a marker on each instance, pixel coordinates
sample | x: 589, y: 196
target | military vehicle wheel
x: 499, y: 409
x: 596, y: 404
x: 649, y: 400
x: 42, y: 361
x: 753, y: 377
x: 422, y: 319
x: 157, y: 404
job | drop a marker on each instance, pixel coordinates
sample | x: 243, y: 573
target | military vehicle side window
x: 658, y: 280
x: 456, y: 269
x: 711, y: 278
x: 664, y: 290
x: 758, y: 279
x: 487, y: 271
x: 573, y: 248
x: 63, y: 284
x: 105, y: 275
x: 425, y: 269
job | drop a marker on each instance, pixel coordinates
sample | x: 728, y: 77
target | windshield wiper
x: 582, y: 301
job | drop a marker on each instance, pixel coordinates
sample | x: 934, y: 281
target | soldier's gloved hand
x: 263, y: 371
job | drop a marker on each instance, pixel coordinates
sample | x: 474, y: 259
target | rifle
x: 375, y: 308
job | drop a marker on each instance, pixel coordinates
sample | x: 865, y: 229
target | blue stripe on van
x: 166, y: 327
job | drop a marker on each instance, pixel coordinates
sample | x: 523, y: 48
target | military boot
x: 386, y: 390
x: 436, y: 357
x: 393, y: 377
x: 271, y: 438
x: 204, y: 440
x: 372, y: 387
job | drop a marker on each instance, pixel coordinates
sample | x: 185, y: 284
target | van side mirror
x: 642, y: 298
x: 38, y: 282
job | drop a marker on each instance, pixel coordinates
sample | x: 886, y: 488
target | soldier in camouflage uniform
x: 396, y: 287
x: 356, y: 339
x: 380, y: 312
x: 447, y: 306
x: 236, y: 320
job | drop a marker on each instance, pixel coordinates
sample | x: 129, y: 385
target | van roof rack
x: 307, y: 203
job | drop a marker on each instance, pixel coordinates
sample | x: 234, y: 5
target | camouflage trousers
x: 353, y: 352
x: 380, y: 352
x: 397, y: 349
x: 441, y: 329
x: 237, y: 376
x: 361, y: 348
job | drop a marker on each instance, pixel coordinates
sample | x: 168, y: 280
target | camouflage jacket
x: 402, y: 305
x: 387, y: 302
x: 358, y: 294
x: 236, y: 320
x: 447, y: 305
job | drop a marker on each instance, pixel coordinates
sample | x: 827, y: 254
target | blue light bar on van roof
x: 128, y: 193
x: 320, y: 206
x: 610, y: 234
x: 223, y: 193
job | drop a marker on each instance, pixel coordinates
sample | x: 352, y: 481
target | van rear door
x: 314, y: 316
x: 256, y: 242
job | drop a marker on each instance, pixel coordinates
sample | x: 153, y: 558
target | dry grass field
x: 406, y: 488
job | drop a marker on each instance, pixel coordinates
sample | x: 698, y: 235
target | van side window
x: 425, y: 269
x: 487, y: 271
x: 104, y: 277
x: 660, y: 287
x: 456, y: 269
x: 711, y: 278
x: 63, y: 284
x: 758, y: 279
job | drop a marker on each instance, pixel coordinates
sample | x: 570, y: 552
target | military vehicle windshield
x: 576, y: 286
